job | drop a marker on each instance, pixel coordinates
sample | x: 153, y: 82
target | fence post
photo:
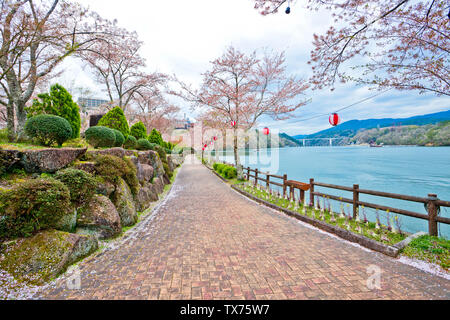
x: 432, y: 215
x: 311, y: 193
x: 256, y: 177
x: 248, y: 174
x: 268, y: 181
x: 284, y: 185
x: 355, y: 200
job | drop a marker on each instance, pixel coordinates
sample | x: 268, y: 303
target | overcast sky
x: 181, y: 37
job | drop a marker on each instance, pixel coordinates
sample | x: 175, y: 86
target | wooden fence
x: 431, y: 203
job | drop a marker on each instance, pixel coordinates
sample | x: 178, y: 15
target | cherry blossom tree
x: 401, y: 44
x: 152, y: 108
x: 36, y: 36
x: 118, y: 66
x: 242, y: 88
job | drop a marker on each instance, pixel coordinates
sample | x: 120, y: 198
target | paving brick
x: 208, y: 242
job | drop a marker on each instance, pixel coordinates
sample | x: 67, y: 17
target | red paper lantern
x: 233, y: 124
x: 215, y: 138
x: 205, y: 146
x: 203, y: 149
x: 335, y: 119
x: 266, y: 131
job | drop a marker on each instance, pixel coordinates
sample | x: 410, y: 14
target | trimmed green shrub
x: 227, y: 171
x: 115, y: 119
x: 230, y: 172
x: 155, y: 137
x: 120, y: 139
x: 101, y: 137
x: 112, y: 168
x: 48, y: 129
x: 138, y: 130
x: 130, y: 143
x: 32, y: 206
x: 143, y: 144
x: 81, y: 185
x: 59, y: 103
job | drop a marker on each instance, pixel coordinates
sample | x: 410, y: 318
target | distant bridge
x: 328, y: 139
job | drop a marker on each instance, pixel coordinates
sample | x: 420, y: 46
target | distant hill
x: 351, y: 128
x: 426, y: 135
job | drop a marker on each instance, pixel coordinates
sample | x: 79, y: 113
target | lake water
x: 415, y: 171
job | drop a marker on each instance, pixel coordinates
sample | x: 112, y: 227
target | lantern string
x: 347, y: 107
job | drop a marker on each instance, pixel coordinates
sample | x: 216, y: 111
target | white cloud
x: 182, y: 37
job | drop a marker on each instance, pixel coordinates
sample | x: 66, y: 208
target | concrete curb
x: 391, y: 251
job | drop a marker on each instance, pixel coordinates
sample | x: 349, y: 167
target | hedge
x: 120, y: 139
x: 144, y: 144
x: 130, y: 143
x: 115, y: 119
x: 100, y: 137
x: 48, y: 129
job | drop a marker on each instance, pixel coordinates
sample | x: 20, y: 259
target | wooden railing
x: 431, y: 203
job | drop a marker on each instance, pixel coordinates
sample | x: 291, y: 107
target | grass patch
x: 431, y: 249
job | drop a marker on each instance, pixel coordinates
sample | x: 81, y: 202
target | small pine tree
x: 139, y: 131
x: 58, y: 102
x: 155, y: 137
x: 115, y: 119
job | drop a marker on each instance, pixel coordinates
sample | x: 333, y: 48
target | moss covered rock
x: 35, y: 205
x: 124, y: 202
x: 8, y: 160
x: 146, y: 196
x: 49, y: 160
x: 45, y: 256
x: 116, y: 152
x: 158, y: 183
x: 100, y: 218
x: 152, y: 158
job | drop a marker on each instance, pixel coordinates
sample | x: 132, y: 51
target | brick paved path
x: 208, y: 242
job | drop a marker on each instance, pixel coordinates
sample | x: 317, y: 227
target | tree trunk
x: 11, y: 125
x: 239, y: 169
x: 21, y: 117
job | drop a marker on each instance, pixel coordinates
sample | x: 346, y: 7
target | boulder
x: 45, y: 256
x: 124, y: 202
x: 8, y: 159
x: 158, y: 184
x: 105, y: 187
x: 49, y: 160
x: 144, y: 173
x: 145, y: 197
x: 130, y: 153
x: 68, y: 222
x: 87, y: 166
x: 99, y: 218
x: 152, y: 159
x: 177, y: 159
x: 170, y: 163
x: 117, y: 152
